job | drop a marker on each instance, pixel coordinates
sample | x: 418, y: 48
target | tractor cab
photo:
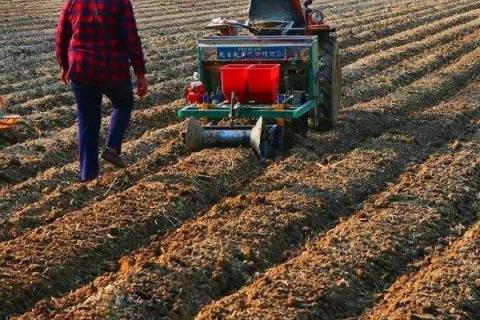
x: 255, y: 89
x: 280, y: 17
x: 277, y: 17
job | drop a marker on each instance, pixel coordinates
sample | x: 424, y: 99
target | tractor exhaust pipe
x: 260, y: 137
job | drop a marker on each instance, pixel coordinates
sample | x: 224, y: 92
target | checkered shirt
x: 97, y: 41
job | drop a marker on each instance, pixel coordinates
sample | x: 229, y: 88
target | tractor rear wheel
x: 330, y: 83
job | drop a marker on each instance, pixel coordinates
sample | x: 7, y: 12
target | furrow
x: 446, y: 286
x: 66, y: 253
x: 219, y: 252
x: 413, y: 21
x: 58, y: 191
x: 438, y: 23
x: 45, y: 102
x: 11, y: 101
x: 375, y: 63
x: 44, y: 124
x: 23, y: 161
x: 448, y: 80
x: 338, y: 274
x: 392, y: 19
x: 368, y: 118
x: 459, y: 41
x: 40, y: 125
x: 35, y: 100
x: 408, y: 100
x: 354, y: 22
x: 369, y: 18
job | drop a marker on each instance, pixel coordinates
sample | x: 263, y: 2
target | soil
x: 446, y: 285
x: 376, y: 219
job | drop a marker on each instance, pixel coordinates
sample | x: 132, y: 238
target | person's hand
x: 64, y: 76
x: 142, y: 86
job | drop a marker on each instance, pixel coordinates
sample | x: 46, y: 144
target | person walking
x: 96, y: 43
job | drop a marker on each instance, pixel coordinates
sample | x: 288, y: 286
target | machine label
x: 252, y: 53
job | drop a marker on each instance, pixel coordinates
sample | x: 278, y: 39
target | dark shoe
x: 113, y: 157
x: 87, y: 180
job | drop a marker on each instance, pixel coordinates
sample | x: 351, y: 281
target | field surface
x: 376, y: 219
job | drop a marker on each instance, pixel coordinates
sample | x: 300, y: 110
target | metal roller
x: 260, y: 137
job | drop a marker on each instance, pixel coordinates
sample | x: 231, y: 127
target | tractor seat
x: 276, y: 17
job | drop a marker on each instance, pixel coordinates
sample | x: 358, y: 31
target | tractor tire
x: 330, y: 83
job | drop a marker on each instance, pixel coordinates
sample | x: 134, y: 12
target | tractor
x: 259, y: 81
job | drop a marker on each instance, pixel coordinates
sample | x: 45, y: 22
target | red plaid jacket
x: 97, y: 41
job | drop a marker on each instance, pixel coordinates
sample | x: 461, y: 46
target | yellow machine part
x: 279, y: 107
x: 205, y: 106
x: 9, y: 121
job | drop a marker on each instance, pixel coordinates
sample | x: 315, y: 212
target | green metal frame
x: 250, y: 111
x: 255, y: 111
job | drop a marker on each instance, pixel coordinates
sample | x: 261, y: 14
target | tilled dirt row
x: 381, y: 15
x: 356, y: 21
x: 47, y: 95
x: 52, y: 97
x: 446, y: 287
x: 46, y: 25
x: 404, y: 37
x: 217, y: 253
x: 170, y: 25
x: 143, y: 7
x: 415, y: 19
x: 44, y: 7
x: 22, y: 161
x: 374, y: 117
x: 95, y: 237
x: 343, y: 7
x: 16, y: 196
x: 62, y: 116
x: 38, y: 125
x: 375, y: 63
x: 28, y: 164
x: 23, y: 100
x: 463, y: 39
x: 58, y: 192
x: 50, y: 206
x: 338, y: 275
x: 41, y: 125
x: 461, y: 72
x: 179, y: 9
x: 350, y: 23
x: 167, y: 88
x: 350, y: 19
x: 62, y: 204
x: 60, y: 120
x: 75, y: 248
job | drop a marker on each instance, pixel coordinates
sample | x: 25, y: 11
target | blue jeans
x: 89, y: 102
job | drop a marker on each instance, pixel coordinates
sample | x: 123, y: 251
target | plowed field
x: 376, y: 219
